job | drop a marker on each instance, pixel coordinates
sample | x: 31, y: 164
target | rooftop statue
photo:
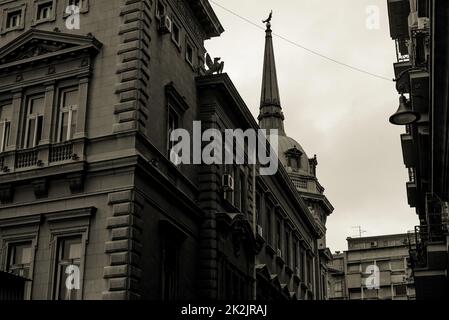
x: 214, y: 67
x: 268, y: 20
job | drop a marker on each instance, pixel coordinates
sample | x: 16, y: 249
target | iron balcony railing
x: 402, y: 54
x: 425, y: 235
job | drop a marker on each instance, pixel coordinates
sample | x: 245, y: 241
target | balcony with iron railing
x: 42, y: 156
x: 402, y: 50
x: 425, y: 236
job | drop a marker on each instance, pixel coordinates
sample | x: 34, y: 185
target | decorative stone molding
x: 76, y: 182
x: 40, y: 187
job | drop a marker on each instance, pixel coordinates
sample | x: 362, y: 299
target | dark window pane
x: 40, y: 125
x: 31, y: 131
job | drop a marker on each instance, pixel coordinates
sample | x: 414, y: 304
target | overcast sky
x: 334, y: 112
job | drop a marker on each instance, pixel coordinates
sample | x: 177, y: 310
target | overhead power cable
x: 316, y: 53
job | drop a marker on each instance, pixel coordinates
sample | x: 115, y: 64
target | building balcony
x: 37, y: 165
x: 419, y: 93
x: 412, y: 193
x: 40, y: 157
x: 408, y: 150
x: 398, y: 12
x: 431, y: 252
x: 400, y: 72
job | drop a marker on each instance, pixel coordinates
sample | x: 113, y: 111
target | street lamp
x: 405, y: 115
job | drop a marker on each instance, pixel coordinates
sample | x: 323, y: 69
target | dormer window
x: 294, y: 158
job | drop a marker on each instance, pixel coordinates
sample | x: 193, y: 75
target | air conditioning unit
x: 279, y: 253
x: 260, y: 231
x: 228, y: 182
x: 165, y: 25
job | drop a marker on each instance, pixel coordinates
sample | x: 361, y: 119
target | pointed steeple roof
x: 271, y: 116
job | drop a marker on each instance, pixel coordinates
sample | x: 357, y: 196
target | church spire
x: 271, y: 116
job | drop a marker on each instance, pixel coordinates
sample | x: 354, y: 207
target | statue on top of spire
x: 268, y: 20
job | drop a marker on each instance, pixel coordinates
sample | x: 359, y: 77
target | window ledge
x: 18, y: 28
x: 38, y: 22
x: 177, y: 45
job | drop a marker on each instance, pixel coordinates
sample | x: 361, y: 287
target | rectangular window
x: 278, y: 234
x: 258, y: 209
x: 44, y: 10
x: 242, y: 204
x: 295, y: 255
x: 5, y: 126
x: 160, y: 9
x: 34, y: 121
x: 354, y: 268
x: 268, y: 227
x: 19, y: 259
x: 77, y: 3
x: 189, y: 54
x: 400, y: 290
x: 176, y: 34
x: 173, y: 124
x: 68, y: 255
x: 170, y: 264
x: 310, y: 272
x: 303, y: 264
x: 366, y: 267
x: 13, y: 19
x: 383, y: 265
x: 287, y: 248
x: 338, y: 287
x: 83, y: 5
x: 237, y: 186
x: 68, y: 114
x: 398, y: 264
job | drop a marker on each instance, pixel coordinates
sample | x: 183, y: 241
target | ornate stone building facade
x: 302, y: 172
x: 86, y: 180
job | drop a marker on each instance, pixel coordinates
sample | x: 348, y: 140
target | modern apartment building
x: 374, y: 268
